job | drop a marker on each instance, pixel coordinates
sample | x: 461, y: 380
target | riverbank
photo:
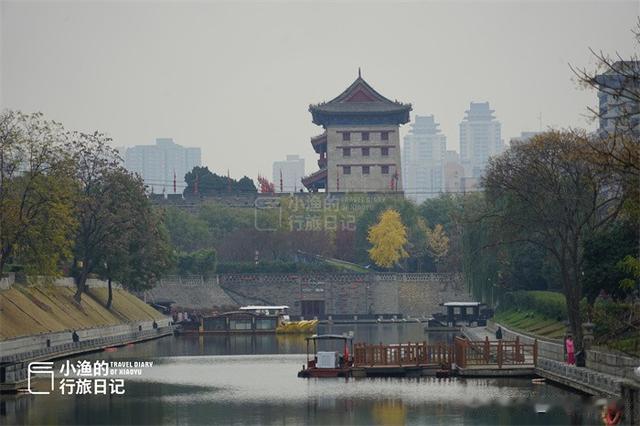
x: 605, y: 374
x: 37, y: 308
x: 42, y: 322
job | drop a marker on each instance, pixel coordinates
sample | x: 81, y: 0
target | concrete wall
x: 408, y: 294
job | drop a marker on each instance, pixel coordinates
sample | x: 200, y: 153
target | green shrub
x: 611, y: 318
x: 549, y: 304
x: 199, y: 262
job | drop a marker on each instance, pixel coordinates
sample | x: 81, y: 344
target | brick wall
x: 391, y: 293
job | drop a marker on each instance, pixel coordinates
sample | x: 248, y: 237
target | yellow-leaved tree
x: 438, y: 242
x: 388, y: 238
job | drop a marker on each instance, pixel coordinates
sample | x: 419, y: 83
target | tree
x: 150, y: 253
x: 137, y: 250
x: 618, y: 78
x: 388, y: 238
x: 98, y: 216
x: 36, y: 193
x: 547, y: 193
x: 603, y: 252
x: 266, y: 187
x: 187, y: 231
x: 438, y: 242
x: 201, y: 262
x: 201, y: 181
x: 369, y: 217
x: 617, y: 145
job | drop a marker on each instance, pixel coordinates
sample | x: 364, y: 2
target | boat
x: 328, y: 363
x: 255, y: 319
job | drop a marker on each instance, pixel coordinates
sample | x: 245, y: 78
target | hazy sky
x: 236, y: 78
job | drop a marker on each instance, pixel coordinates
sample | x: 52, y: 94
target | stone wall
x: 408, y: 294
x: 189, y: 292
x: 597, y: 359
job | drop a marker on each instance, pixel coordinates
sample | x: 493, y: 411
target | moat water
x: 240, y: 380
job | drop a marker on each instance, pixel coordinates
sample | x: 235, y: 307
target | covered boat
x: 256, y: 319
x: 328, y: 363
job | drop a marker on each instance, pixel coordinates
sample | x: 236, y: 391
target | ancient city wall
x: 387, y: 293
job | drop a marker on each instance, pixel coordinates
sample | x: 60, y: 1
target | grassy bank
x: 531, y: 322
x: 42, y: 309
x: 542, y: 313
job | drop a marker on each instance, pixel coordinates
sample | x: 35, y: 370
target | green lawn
x: 531, y: 322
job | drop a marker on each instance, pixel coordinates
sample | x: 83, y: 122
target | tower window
x: 365, y: 170
x: 384, y: 170
x: 384, y: 151
x: 365, y: 136
x: 384, y: 136
x: 346, y: 136
x: 346, y: 170
x: 346, y: 152
x: 365, y: 152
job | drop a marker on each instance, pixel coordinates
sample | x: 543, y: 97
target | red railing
x: 404, y: 354
x: 499, y: 352
x: 462, y: 352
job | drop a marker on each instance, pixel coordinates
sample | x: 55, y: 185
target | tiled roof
x: 357, y: 100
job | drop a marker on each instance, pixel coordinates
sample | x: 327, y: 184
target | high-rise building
x: 360, y: 148
x: 158, y: 164
x: 618, y: 104
x: 423, y: 156
x: 479, y: 138
x: 288, y: 174
x: 453, y: 172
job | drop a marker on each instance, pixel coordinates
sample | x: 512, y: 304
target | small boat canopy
x: 329, y: 337
x: 462, y: 304
x: 260, y: 308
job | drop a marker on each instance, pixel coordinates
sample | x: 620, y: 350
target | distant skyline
x: 236, y: 79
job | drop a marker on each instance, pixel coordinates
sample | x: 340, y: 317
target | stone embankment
x: 605, y: 373
x: 41, y: 321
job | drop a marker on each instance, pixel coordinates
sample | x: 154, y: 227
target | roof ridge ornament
x: 359, y: 74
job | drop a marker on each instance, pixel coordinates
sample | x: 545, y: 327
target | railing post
x: 486, y: 349
x: 535, y: 353
x: 517, y: 354
x: 499, y: 353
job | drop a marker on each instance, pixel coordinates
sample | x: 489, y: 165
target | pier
x: 463, y: 357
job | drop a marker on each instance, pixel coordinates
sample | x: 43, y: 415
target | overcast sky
x: 236, y: 79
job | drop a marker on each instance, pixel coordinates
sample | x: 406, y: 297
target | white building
x: 157, y: 164
x: 423, y: 156
x: 288, y: 174
x: 618, y: 106
x: 480, y: 138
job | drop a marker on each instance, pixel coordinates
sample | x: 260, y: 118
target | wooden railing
x: 464, y: 353
x: 404, y: 354
x: 499, y: 352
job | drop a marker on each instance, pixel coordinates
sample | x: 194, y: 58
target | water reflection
x: 252, y: 380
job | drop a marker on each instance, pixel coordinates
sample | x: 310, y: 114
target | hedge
x: 550, y: 304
